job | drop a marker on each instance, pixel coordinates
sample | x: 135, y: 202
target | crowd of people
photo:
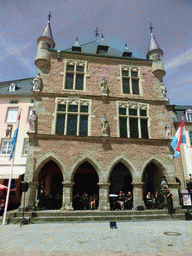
x: 160, y: 200
x: 122, y: 201
x: 85, y: 202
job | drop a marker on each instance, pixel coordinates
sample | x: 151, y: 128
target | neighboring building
x: 185, y: 113
x: 102, y: 126
x: 14, y: 95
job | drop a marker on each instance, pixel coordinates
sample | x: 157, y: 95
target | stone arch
x: 81, y: 161
x: 85, y: 181
x: 120, y: 176
x: 41, y: 162
x: 127, y: 163
x: 158, y: 163
x: 152, y: 174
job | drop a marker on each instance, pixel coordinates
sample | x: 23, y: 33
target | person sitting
x: 92, y: 205
x: 128, y: 201
x: 121, y: 200
x: 149, y: 200
x: 85, y: 201
x: 159, y: 200
x: 77, y: 202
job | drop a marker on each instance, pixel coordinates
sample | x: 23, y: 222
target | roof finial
x: 97, y: 32
x: 76, y: 38
x: 49, y: 16
x: 102, y: 35
x: 125, y: 45
x: 151, y: 27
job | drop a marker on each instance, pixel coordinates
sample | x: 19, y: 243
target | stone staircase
x: 81, y: 216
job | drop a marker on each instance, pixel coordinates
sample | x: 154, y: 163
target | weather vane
x: 49, y: 16
x: 151, y: 27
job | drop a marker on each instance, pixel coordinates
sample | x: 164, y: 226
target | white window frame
x: 25, y: 145
x: 8, y: 117
x: 130, y: 69
x: 12, y: 87
x: 189, y: 115
x: 75, y: 63
x: 133, y: 105
x: 7, y: 146
x: 78, y: 102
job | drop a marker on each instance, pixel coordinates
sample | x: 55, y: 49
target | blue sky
x: 22, y: 22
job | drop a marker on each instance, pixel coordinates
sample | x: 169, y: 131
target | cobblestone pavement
x: 157, y: 238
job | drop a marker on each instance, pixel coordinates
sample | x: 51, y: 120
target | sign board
x: 186, y: 197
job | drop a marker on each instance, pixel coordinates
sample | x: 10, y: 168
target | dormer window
x: 102, y: 47
x: 189, y: 115
x: 12, y: 87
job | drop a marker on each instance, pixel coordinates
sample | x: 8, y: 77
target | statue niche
x: 37, y: 83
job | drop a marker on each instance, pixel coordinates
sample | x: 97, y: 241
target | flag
x: 13, y: 142
x: 177, y: 139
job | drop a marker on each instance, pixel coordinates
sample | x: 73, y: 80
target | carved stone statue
x: 33, y: 121
x: 163, y: 91
x: 104, y: 126
x: 9, y: 130
x: 168, y: 129
x: 104, y: 87
x: 164, y: 184
x: 37, y: 83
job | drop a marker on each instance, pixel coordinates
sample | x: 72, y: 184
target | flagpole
x: 12, y: 165
x: 8, y: 192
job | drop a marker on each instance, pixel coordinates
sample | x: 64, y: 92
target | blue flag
x: 13, y: 142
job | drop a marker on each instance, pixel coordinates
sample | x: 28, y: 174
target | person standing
x: 169, y: 202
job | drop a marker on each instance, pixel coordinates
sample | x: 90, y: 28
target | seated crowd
x: 121, y: 201
x: 85, y: 202
x: 154, y: 201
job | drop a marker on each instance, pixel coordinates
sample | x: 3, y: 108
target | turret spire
x: 47, y: 31
x: 153, y: 43
x: 155, y: 54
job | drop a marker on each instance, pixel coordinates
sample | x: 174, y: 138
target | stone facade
x: 75, y: 155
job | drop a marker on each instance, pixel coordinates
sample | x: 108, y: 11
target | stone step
x: 81, y: 216
x: 87, y: 213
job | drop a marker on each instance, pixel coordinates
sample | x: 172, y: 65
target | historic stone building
x: 102, y: 124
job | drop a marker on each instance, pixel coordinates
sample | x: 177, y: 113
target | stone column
x: 30, y: 196
x: 104, y: 196
x: 67, y: 196
x: 138, y: 195
x: 174, y: 190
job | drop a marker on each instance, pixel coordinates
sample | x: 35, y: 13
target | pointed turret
x: 155, y: 53
x: 45, y: 43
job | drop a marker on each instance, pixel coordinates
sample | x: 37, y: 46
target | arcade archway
x: 85, y: 180
x: 120, y: 179
x: 50, y: 186
x: 152, y: 178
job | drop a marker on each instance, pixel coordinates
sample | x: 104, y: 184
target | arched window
x: 189, y: 115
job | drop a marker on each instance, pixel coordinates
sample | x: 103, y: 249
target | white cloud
x: 180, y: 60
x: 17, y: 51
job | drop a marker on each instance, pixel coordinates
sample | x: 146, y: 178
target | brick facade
x: 68, y: 152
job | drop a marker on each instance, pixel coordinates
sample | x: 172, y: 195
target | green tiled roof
x: 23, y: 87
x: 91, y: 48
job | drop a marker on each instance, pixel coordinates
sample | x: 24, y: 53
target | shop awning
x: 6, y: 170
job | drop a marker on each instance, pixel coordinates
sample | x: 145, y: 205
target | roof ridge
x: 21, y: 79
